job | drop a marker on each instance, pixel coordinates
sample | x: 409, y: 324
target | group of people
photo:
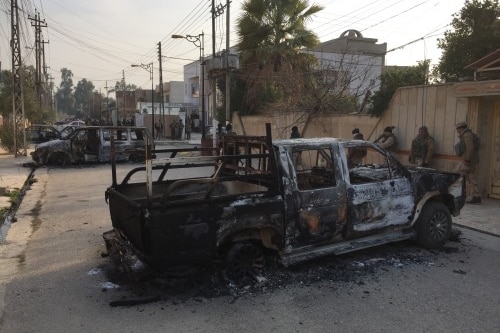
x: 177, y: 128
x: 422, y: 151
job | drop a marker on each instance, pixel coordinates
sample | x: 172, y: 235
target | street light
x: 199, y: 41
x: 149, y: 67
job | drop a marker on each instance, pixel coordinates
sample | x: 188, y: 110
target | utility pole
x: 228, y: 73
x: 216, y: 12
x: 17, y: 82
x: 38, y: 54
x: 162, y: 105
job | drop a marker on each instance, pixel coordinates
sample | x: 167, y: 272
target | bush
x: 7, y: 138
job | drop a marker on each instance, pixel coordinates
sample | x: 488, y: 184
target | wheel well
x: 445, y: 199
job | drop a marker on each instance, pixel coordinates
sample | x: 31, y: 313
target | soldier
x: 295, y: 133
x: 355, y: 155
x: 172, y: 130
x: 422, y: 148
x: 468, y: 149
x: 188, y: 128
x: 297, y: 156
x: 387, y: 140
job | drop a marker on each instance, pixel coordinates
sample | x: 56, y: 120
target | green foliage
x: 476, y: 33
x: 393, y: 79
x: 84, y: 96
x: 65, y: 100
x: 32, y: 111
x: 271, y: 34
x: 7, y: 137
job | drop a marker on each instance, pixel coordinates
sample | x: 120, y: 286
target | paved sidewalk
x: 484, y: 217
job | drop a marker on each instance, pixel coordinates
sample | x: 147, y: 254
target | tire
x: 245, y: 262
x: 434, y: 225
x: 59, y: 159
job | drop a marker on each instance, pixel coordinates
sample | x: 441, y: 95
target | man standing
x: 295, y: 133
x: 387, y: 140
x: 422, y: 148
x: 355, y: 155
x: 188, y: 128
x: 468, y: 149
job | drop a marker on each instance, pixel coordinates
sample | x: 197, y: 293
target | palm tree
x: 271, y: 35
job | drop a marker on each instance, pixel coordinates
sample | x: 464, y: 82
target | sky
x: 100, y: 40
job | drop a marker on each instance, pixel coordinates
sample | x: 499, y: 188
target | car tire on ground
x: 245, y: 261
x: 434, y: 225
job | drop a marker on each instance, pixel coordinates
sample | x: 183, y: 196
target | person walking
x: 468, y: 149
x: 422, y: 148
x: 387, y: 140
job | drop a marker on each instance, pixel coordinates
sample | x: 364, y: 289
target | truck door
x: 78, y: 145
x: 319, y: 196
x: 379, y: 193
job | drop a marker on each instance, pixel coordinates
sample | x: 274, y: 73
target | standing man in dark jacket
x: 468, y: 150
x: 422, y: 148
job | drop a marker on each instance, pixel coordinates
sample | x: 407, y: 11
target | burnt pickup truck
x: 299, y: 199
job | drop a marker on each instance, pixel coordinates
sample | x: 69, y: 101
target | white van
x: 93, y: 144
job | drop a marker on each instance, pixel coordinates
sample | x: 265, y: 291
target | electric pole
x: 17, y: 82
x: 162, y: 105
x: 37, y: 23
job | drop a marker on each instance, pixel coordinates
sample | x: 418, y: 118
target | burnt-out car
x: 299, y: 199
x: 85, y: 144
x: 41, y: 133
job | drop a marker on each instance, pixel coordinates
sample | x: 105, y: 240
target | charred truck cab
x: 300, y: 198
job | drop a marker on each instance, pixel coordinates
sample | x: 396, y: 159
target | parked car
x: 41, y: 133
x: 92, y: 144
x: 75, y: 123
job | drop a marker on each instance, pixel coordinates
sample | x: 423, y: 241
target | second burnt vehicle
x: 299, y: 199
x: 88, y: 144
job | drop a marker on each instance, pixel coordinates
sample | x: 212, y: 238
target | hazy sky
x: 99, y: 40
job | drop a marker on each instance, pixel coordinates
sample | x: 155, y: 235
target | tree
x: 64, y: 95
x: 32, y: 111
x: 83, y: 96
x: 393, y: 79
x: 476, y: 33
x: 271, y: 34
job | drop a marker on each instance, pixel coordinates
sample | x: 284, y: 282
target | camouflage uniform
x: 470, y: 159
x: 422, y: 148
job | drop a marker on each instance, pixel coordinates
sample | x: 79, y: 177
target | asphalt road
x: 61, y: 282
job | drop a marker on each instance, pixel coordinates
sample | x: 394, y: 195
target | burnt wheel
x: 245, y: 261
x: 59, y: 159
x: 434, y: 225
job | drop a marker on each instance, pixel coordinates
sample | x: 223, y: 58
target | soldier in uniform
x: 355, y: 155
x: 422, y: 148
x: 387, y: 140
x: 468, y: 150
